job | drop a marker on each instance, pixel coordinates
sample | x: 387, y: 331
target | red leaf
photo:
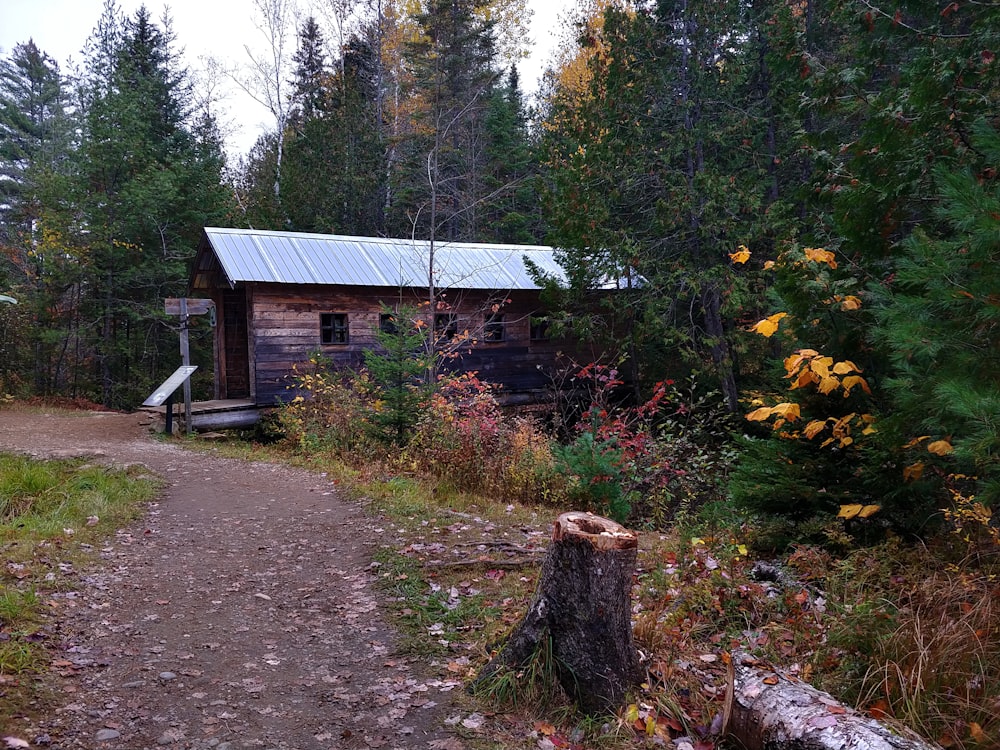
x: 879, y: 709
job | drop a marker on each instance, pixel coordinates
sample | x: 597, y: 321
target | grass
x: 52, y: 516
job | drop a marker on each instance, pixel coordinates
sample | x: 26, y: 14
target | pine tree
x: 941, y: 323
x: 150, y: 185
x: 334, y: 167
x: 35, y: 171
x: 34, y: 131
x: 312, y: 78
x: 511, y: 210
x: 441, y: 183
x: 654, y: 168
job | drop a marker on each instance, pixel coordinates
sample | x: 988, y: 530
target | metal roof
x: 299, y: 258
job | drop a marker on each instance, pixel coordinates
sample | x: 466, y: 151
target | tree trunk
x: 583, y: 603
x: 769, y: 711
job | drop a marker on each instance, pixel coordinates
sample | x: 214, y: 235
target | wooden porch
x: 220, y: 414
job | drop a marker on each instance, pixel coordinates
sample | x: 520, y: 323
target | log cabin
x: 281, y: 296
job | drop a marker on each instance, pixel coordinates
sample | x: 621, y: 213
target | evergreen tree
x: 150, y: 187
x: 312, y: 78
x: 36, y: 213
x: 512, y: 209
x: 34, y: 132
x: 655, y: 166
x: 334, y: 166
x: 941, y: 323
x: 441, y: 185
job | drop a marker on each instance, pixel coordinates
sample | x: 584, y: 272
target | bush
x: 648, y: 462
x: 332, y: 412
x: 465, y: 438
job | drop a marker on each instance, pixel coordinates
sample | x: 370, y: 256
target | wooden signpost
x: 184, y: 308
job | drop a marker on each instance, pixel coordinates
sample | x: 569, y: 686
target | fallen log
x: 583, y: 604
x: 768, y: 710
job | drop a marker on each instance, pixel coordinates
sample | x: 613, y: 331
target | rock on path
x: 240, y: 613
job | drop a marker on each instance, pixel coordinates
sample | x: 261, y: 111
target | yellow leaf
x: 869, y: 510
x: 821, y: 366
x: 853, y: 380
x: 768, y: 326
x: 847, y: 512
x: 850, y: 303
x: 818, y: 255
x: 697, y: 541
x: 940, y: 448
x: 913, y: 472
x: 759, y: 415
x: 814, y: 428
x: 806, y: 377
x: 741, y: 549
x: 794, y: 361
x: 632, y: 713
x: 845, y: 367
x: 742, y: 255
x: 828, y: 385
x: 788, y: 411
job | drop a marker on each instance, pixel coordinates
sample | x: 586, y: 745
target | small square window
x: 540, y: 328
x: 333, y: 328
x: 446, y: 325
x: 494, y: 329
x: 387, y: 323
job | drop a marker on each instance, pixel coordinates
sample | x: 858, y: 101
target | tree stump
x: 583, y: 603
x: 769, y: 711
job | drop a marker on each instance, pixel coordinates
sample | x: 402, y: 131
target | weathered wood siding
x: 285, y: 330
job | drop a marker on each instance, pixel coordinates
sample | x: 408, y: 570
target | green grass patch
x: 52, y: 516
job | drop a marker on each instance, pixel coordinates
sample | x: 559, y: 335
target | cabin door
x: 236, y: 344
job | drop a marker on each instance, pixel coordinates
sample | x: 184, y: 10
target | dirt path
x: 240, y: 613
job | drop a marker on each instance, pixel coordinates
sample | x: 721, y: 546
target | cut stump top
x: 603, y: 533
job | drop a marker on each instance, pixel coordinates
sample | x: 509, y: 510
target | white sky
x: 218, y: 28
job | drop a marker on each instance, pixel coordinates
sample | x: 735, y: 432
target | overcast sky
x: 218, y: 28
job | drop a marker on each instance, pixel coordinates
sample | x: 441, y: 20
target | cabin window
x: 540, y: 328
x: 387, y: 323
x: 495, y: 328
x: 445, y: 325
x: 333, y: 328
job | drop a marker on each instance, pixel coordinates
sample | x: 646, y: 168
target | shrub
x: 331, y: 412
x: 647, y: 462
x: 465, y: 437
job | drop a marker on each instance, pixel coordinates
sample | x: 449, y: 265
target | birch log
x: 770, y: 711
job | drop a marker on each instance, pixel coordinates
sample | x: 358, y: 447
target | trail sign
x: 166, y: 393
x: 172, y: 306
x: 170, y: 385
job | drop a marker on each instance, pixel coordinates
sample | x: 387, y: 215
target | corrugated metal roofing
x: 299, y: 258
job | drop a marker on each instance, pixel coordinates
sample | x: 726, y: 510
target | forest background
x: 805, y: 190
